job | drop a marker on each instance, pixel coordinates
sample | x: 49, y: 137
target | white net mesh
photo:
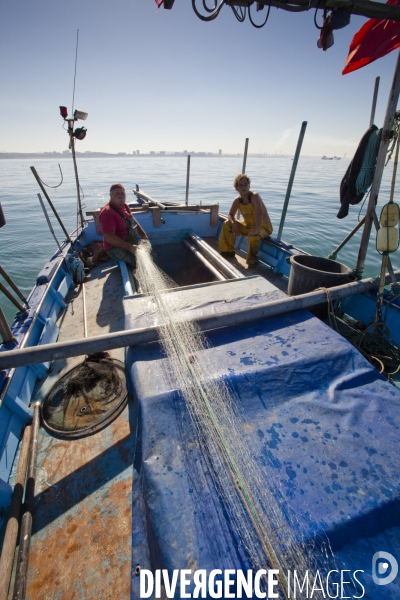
x: 256, y: 506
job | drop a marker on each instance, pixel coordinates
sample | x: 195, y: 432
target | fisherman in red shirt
x: 121, y: 231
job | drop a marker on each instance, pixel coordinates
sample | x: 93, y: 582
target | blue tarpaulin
x: 322, y: 425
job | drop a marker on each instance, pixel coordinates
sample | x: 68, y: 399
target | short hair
x: 116, y: 186
x: 239, y: 177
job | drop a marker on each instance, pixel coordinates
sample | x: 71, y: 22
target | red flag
x: 375, y: 39
x: 159, y: 2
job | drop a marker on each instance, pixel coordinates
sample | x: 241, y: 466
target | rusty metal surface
x: 81, y: 543
x: 82, y: 523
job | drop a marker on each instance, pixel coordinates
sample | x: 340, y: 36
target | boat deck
x: 82, y: 525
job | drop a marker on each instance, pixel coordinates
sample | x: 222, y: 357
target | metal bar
x: 36, y: 176
x: 371, y: 121
x: 85, y: 330
x: 11, y: 535
x: 146, y: 197
x: 380, y: 164
x: 291, y: 178
x: 48, y: 220
x: 78, y: 190
x: 205, y: 262
x: 187, y: 180
x: 365, y: 8
x: 27, y: 517
x: 12, y: 284
x: 246, y: 145
x: 346, y: 239
x: 134, y: 337
x: 215, y: 258
x: 11, y: 297
x: 5, y: 333
x: 395, y: 163
x: 379, y: 298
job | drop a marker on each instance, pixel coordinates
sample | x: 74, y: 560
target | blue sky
x: 164, y: 80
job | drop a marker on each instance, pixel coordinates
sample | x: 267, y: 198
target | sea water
x: 26, y: 242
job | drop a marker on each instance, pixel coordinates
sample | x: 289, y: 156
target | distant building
x: 66, y: 151
x: 220, y: 152
x: 162, y: 152
x: 185, y: 152
x: 121, y: 153
x: 152, y: 152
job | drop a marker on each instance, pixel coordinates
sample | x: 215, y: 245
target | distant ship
x: 331, y: 157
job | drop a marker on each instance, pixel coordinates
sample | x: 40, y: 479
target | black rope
x: 213, y: 16
x: 240, y: 16
x: 53, y: 187
x: 315, y: 17
x: 266, y: 18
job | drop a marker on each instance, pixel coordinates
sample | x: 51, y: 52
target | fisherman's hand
x: 254, y: 232
x: 235, y: 228
x: 133, y: 248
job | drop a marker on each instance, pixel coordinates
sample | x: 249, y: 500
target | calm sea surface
x: 311, y: 224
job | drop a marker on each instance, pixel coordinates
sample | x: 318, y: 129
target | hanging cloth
x: 360, y: 171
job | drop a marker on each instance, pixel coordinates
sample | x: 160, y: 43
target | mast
x: 380, y: 164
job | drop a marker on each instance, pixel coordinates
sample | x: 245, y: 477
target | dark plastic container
x: 307, y: 273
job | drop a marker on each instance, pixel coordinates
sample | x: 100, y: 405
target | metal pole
x: 205, y: 262
x: 48, y: 220
x: 5, y: 330
x: 11, y: 535
x: 27, y: 517
x: 12, y: 284
x: 187, y: 180
x: 35, y: 174
x: 380, y: 164
x: 291, y: 178
x: 134, y: 337
x: 372, y: 119
x: 78, y: 187
x: 246, y: 145
x: 11, y: 298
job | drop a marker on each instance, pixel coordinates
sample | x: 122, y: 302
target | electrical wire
x: 213, y: 16
x: 266, y: 18
x: 239, y: 15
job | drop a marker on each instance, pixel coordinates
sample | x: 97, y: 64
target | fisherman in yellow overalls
x: 256, y: 224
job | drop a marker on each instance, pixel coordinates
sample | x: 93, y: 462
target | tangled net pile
x: 257, y: 509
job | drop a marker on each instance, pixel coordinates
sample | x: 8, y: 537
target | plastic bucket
x: 307, y: 273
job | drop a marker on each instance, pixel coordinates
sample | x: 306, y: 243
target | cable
x: 266, y: 18
x: 53, y: 187
x: 240, y: 16
x: 213, y: 16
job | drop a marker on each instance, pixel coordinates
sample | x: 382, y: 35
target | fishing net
x: 86, y: 398
x: 257, y: 507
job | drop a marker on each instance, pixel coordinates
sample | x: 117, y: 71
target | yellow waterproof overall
x: 227, y: 238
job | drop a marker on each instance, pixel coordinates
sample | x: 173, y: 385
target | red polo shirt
x: 113, y: 222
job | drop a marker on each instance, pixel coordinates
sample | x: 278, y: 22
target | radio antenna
x: 76, y: 60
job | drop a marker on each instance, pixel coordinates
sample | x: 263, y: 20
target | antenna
x: 76, y: 60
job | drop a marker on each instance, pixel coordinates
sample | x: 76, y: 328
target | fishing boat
x: 202, y: 429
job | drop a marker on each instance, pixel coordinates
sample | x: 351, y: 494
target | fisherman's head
x: 241, y: 181
x: 117, y: 194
